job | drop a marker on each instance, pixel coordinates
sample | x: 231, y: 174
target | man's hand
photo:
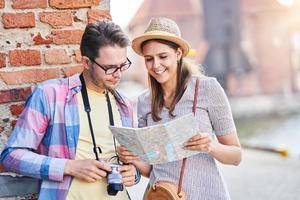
x: 87, y: 170
x: 128, y: 174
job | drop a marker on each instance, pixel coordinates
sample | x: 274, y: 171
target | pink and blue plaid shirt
x: 46, y: 135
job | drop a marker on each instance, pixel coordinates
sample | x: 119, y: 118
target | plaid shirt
x: 46, y: 135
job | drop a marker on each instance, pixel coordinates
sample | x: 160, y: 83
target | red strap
x: 184, y: 159
x: 196, y: 96
x: 181, y: 176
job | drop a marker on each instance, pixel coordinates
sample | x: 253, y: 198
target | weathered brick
x: 2, y: 3
x: 13, y: 95
x: 57, y: 19
x: 69, y: 71
x: 70, y: 4
x: 96, y: 15
x: 18, y: 20
x: 78, y: 56
x: 16, y: 109
x: 38, y: 39
x: 57, y: 56
x: 27, y: 4
x: 29, y: 76
x: 67, y: 36
x: 2, y: 60
x: 24, y: 57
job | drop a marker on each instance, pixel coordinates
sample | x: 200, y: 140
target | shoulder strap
x: 184, y: 159
x: 196, y: 96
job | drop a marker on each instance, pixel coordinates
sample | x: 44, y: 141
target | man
x: 52, y: 140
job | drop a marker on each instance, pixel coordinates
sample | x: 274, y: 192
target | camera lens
x: 113, y: 189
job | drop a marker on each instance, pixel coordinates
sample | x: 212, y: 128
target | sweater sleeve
x: 142, y: 107
x: 219, y: 109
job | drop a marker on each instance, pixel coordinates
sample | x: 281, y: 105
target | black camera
x: 114, y: 180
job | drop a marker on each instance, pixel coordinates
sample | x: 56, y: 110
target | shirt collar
x: 74, y: 86
x: 74, y: 82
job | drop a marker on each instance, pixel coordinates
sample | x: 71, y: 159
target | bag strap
x: 184, y: 159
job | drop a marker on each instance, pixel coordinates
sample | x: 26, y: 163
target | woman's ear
x: 179, y: 54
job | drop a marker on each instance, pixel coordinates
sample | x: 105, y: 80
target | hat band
x: 161, y: 33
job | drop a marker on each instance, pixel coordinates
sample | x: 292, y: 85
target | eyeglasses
x: 111, y: 69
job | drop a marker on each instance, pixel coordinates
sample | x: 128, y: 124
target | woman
x: 172, y: 85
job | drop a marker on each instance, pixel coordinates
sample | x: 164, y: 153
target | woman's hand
x: 125, y: 155
x: 128, y: 157
x: 200, y: 142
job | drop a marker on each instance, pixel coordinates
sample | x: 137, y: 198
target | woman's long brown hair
x: 157, y: 98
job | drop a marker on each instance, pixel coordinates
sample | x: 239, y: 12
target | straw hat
x: 161, y: 28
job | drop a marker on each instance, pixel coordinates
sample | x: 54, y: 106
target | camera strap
x: 111, y: 122
x: 87, y: 109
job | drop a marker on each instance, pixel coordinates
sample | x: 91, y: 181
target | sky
x: 122, y: 11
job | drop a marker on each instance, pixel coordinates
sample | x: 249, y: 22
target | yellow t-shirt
x: 100, y: 120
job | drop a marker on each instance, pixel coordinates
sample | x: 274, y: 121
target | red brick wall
x: 39, y: 40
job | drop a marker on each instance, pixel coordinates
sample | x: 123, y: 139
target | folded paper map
x: 159, y: 143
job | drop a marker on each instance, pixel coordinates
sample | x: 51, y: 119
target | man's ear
x: 85, y: 62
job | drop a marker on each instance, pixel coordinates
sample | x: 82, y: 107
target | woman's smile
x: 160, y: 71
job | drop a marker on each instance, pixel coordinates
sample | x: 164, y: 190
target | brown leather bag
x: 165, y: 190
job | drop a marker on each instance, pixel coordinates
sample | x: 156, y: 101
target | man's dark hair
x: 100, y: 34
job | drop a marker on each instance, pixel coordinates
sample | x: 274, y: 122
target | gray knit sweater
x: 202, y: 178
